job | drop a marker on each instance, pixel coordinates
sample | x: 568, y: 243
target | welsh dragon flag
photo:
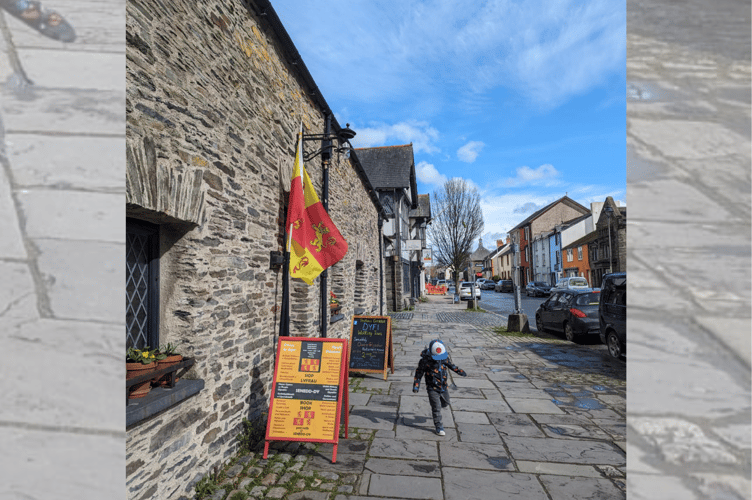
x: 314, y: 242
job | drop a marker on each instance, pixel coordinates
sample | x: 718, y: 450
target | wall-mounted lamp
x: 343, y: 138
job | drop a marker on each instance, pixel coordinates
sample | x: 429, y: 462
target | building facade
x: 391, y: 170
x: 543, y: 220
x: 608, y: 251
x: 215, y: 96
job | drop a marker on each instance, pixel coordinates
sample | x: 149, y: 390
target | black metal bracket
x: 276, y: 259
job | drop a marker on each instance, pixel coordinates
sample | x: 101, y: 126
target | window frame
x: 579, y: 252
x: 152, y: 233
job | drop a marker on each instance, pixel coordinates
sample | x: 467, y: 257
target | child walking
x: 434, y: 363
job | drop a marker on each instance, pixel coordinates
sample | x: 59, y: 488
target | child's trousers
x: 438, y: 401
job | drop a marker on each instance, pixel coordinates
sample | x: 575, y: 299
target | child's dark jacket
x: 435, y: 371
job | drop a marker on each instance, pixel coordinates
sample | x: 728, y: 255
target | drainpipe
x: 325, y: 156
x: 381, y: 266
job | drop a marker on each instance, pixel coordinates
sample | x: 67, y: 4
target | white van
x: 572, y: 283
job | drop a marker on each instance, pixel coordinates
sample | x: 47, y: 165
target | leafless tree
x: 458, y: 223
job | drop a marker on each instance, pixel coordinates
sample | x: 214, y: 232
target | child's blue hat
x: 438, y: 350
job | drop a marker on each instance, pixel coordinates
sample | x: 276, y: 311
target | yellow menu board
x: 309, y: 391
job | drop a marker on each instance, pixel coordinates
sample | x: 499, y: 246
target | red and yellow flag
x: 314, y: 242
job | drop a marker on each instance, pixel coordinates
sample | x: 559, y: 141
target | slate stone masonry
x: 213, y: 105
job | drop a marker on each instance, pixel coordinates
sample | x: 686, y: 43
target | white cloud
x: 544, y: 175
x: 469, y: 152
x: 428, y: 174
x: 419, y: 133
x: 548, y: 50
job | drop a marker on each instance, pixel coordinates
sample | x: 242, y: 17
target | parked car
x: 488, y: 285
x: 441, y: 283
x: 504, y: 286
x: 466, y: 291
x: 536, y: 288
x: 571, y: 283
x: 612, y: 314
x: 574, y: 312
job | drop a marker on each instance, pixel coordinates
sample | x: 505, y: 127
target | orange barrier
x: 436, y: 290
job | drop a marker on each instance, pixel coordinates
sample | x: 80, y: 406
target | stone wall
x: 213, y: 105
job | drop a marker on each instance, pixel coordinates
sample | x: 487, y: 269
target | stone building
x: 391, y: 170
x: 216, y: 93
x: 605, y: 256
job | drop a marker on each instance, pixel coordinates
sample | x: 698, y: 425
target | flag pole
x: 325, y: 155
x: 284, y: 324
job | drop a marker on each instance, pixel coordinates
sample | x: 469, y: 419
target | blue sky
x: 524, y: 99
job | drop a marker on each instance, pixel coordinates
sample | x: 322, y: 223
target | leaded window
x: 141, y: 284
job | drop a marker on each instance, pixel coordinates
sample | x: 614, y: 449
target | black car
x: 504, y: 286
x: 574, y: 312
x: 537, y: 288
x: 612, y: 314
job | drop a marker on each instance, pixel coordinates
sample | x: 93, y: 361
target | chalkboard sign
x: 371, y: 348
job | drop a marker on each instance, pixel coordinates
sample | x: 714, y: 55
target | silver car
x: 466, y: 290
x: 572, y: 283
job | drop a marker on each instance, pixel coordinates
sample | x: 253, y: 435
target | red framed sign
x: 309, y: 392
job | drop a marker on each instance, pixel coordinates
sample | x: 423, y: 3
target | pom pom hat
x: 438, y: 350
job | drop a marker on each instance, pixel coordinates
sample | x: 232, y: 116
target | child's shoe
x: 440, y: 431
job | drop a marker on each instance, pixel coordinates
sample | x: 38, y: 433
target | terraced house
x: 216, y: 93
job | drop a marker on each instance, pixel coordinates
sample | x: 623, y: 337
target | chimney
x: 500, y: 243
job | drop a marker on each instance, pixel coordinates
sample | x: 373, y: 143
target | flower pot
x: 165, y: 363
x: 133, y: 370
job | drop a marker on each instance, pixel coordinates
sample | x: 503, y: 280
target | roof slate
x: 388, y: 167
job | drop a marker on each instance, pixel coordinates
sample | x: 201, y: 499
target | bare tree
x: 458, y: 223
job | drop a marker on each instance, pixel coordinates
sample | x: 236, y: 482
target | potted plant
x: 333, y: 303
x: 167, y: 356
x: 139, y: 362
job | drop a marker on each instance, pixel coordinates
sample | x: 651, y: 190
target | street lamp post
x: 609, y: 211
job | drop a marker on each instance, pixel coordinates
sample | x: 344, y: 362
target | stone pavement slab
x: 515, y: 424
x: 567, y: 431
x: 480, y: 405
x: 403, y: 448
x: 364, y: 417
x: 413, y: 429
x: 405, y: 486
x: 77, y: 289
x: 11, y: 243
x: 521, y: 405
x: 403, y: 467
x: 475, y: 456
x: 567, y: 488
x: 18, y: 301
x: 59, y: 162
x: 477, y: 433
x: 557, y: 469
x: 464, y: 484
x: 468, y: 417
x: 564, y: 451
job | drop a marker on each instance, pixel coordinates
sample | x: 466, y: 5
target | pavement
x: 537, y: 418
x: 62, y: 226
x: 689, y: 258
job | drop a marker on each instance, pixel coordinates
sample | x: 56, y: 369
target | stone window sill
x: 336, y: 317
x: 159, y: 399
